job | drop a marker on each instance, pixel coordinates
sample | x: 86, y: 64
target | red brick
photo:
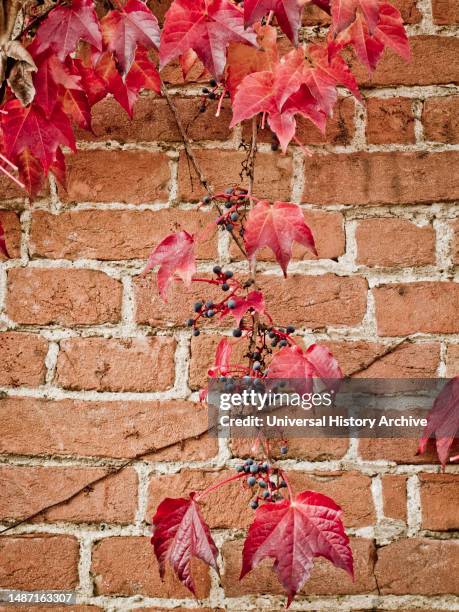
x: 12, y: 228
x: 394, y: 496
x: 418, y: 566
x: 114, y: 234
x: 153, y: 121
x: 429, y: 307
x: 134, y: 177
x: 127, y: 566
x: 435, y: 61
x: 22, y: 359
x: 328, y: 231
x: 452, y: 360
x: 394, y: 242
x: 407, y: 361
x: 105, y: 429
x: 440, y: 118
x: 381, y: 178
x: 26, y: 490
x: 63, y: 297
x: 313, y: 301
x: 272, y: 177
x: 439, y: 501
x: 455, y: 227
x: 390, y: 120
x: 351, y: 490
x: 325, y: 579
x: 398, y: 451
x: 39, y: 562
x: 445, y: 12
x: 127, y: 364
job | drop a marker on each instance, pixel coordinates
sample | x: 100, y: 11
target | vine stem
x: 253, y: 264
x: 217, y: 485
x: 289, y: 488
x: 192, y: 157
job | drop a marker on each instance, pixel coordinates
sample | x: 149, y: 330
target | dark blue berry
x: 290, y: 329
x: 198, y: 306
x: 231, y: 304
x: 196, y: 332
x: 282, y: 484
x: 284, y: 450
x: 266, y: 494
x: 264, y: 467
x: 254, y: 468
x: 229, y: 274
x: 257, y: 365
x: 210, y: 313
x: 228, y: 205
x: 274, y: 146
x: 246, y: 469
x: 262, y: 484
x: 209, y: 304
x: 190, y: 322
x: 237, y: 333
x: 283, y: 343
x: 229, y: 191
x: 213, y: 83
x: 225, y: 287
x: 202, y: 109
x: 240, y: 468
x: 251, y: 481
x: 234, y: 216
x: 229, y: 227
x: 205, y: 90
x: 217, y: 269
x: 256, y: 355
x: 212, y: 96
x: 274, y: 343
x: 249, y: 461
x: 207, y: 199
x: 254, y: 504
x: 272, y: 334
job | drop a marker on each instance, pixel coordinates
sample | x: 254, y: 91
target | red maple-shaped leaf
x: 106, y: 72
x: 277, y: 226
x: 124, y: 30
x: 30, y: 172
x: 325, y: 365
x: 180, y: 533
x: 287, y: 13
x: 253, y: 300
x: 92, y: 83
x: 443, y: 421
x: 143, y: 74
x: 222, y: 358
x: 66, y: 25
x: 3, y: 248
x: 174, y: 255
x: 293, y: 533
x: 207, y: 27
x: 334, y: 67
x: 344, y: 13
x: 29, y: 128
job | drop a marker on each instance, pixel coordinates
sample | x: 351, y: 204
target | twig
x: 250, y: 169
x: 390, y: 349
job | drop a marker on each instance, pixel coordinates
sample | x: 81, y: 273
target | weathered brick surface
x: 62, y: 297
x: 22, y: 359
x: 132, y: 364
x: 445, y: 12
x: 390, y: 120
x: 39, y: 562
x: 399, y: 243
x: 452, y: 360
x: 440, y: 119
x: 394, y: 496
x: 12, y: 228
x: 455, y: 228
x: 398, y: 450
x: 440, y: 501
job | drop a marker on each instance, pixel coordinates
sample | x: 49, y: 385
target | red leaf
x: 180, y: 533
x: 106, y: 71
x: 3, y: 248
x: 93, y: 84
x: 344, y: 12
x: 174, y: 255
x: 277, y: 226
x: 287, y: 12
x: 222, y: 358
x: 335, y: 67
x: 66, y: 25
x: 143, y: 74
x: 75, y: 104
x: 443, y: 421
x: 51, y: 75
x: 58, y: 168
x: 124, y: 30
x: 29, y: 128
x: 324, y: 364
x: 293, y: 533
x: 207, y: 27
x: 253, y: 300
x: 30, y: 172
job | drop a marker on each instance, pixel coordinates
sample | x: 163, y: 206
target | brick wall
x: 99, y: 416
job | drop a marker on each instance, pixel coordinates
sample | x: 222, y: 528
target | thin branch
x: 250, y: 169
x: 390, y: 349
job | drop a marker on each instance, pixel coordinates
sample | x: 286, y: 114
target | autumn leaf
x: 287, y: 13
x: 207, y: 27
x: 66, y: 25
x: 335, y: 67
x: 143, y: 74
x: 30, y: 172
x: 180, y: 533
x: 242, y: 304
x: 293, y: 533
x: 52, y: 76
x: 20, y: 75
x: 277, y: 226
x: 174, y: 255
x: 222, y: 358
x: 443, y: 421
x: 124, y: 30
x: 344, y: 12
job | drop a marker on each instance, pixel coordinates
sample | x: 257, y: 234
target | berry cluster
x: 235, y: 203
x: 265, y: 478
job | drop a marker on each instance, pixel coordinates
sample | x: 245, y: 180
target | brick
x: 418, y: 566
x: 26, y: 490
x: 398, y: 451
x: 325, y: 579
x: 452, y: 360
x: 114, y: 234
x: 22, y: 359
x: 127, y: 566
x: 116, y: 429
x: 434, y: 61
x: 62, y: 297
x: 313, y: 301
x: 390, y: 121
x: 153, y: 121
x: 127, y: 364
x: 272, y: 177
x: 328, y: 231
x: 445, y: 12
x: 134, y: 177
x: 301, y: 449
x: 399, y: 243
x: 429, y: 307
x: 440, y: 118
x: 439, y: 501
x: 339, y: 131
x: 455, y: 253
x: 12, y: 229
x: 350, y: 490
x: 407, y: 361
x: 39, y: 562
x: 381, y: 178
x: 394, y: 496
